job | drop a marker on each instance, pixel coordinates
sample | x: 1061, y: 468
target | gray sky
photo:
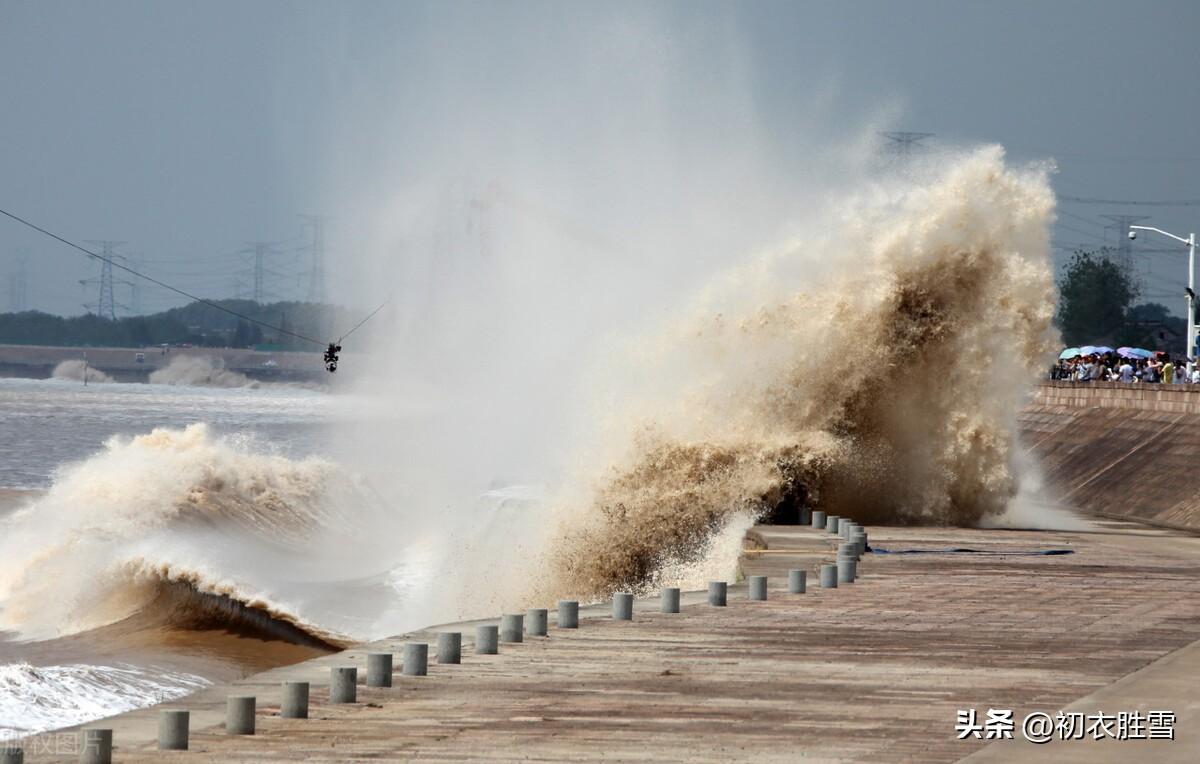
x: 188, y: 129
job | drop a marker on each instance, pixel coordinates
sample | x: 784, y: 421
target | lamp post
x: 1190, y: 241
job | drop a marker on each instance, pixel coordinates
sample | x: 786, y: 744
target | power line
x: 109, y: 264
x: 1073, y: 229
x: 1124, y: 244
x: 135, y: 289
x: 105, y: 305
x: 1080, y: 218
x: 365, y: 320
x: 1134, y: 202
x: 260, y: 250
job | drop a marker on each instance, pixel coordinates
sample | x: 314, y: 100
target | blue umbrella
x: 1070, y: 353
x: 1103, y: 349
x: 1089, y: 350
x: 1141, y: 352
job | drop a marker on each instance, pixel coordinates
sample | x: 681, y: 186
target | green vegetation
x: 196, y: 323
x: 1095, y: 293
x: 1095, y: 307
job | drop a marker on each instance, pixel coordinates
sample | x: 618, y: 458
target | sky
x: 188, y: 130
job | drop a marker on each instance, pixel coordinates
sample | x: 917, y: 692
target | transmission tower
x: 904, y: 144
x: 18, y: 286
x: 105, y: 306
x: 1124, y: 245
x: 316, y: 275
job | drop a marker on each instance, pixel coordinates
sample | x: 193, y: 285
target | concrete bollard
x: 847, y: 567
x: 449, y: 647
x: 568, y: 614
x: 343, y: 684
x: 818, y: 519
x: 295, y: 701
x: 831, y: 523
x: 172, y: 730
x: 797, y: 581
x: 829, y: 576
x: 487, y: 640
x: 536, y: 621
x: 846, y: 527
x: 848, y: 549
x: 717, y: 593
x: 622, y: 606
x: 758, y: 587
x: 379, y: 670
x: 847, y: 570
x: 11, y: 754
x: 670, y: 599
x: 239, y: 715
x: 512, y: 627
x: 416, y: 659
x: 95, y: 746
x: 860, y: 540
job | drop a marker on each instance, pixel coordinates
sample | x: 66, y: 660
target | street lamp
x: 1190, y: 241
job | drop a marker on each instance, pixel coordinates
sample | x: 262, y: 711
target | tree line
x: 196, y: 324
x: 1098, y: 305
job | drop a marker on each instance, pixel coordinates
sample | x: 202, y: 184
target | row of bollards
x: 240, y: 709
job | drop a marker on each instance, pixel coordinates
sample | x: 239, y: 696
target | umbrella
x: 1127, y: 352
x: 1069, y: 353
x: 1141, y: 352
x: 1089, y: 350
x: 1102, y: 349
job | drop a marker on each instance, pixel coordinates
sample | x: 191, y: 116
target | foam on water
x: 38, y: 698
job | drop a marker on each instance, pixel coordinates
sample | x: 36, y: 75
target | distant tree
x: 197, y: 323
x: 1094, y: 297
x: 1152, y: 325
x: 247, y: 334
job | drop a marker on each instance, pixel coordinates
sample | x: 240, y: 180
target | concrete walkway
x: 876, y: 670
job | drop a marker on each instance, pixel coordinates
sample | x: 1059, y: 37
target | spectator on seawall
x: 1126, y: 365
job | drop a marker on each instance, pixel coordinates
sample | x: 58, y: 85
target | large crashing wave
x: 185, y: 530
x: 873, y: 371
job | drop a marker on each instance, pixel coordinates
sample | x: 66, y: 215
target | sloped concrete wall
x: 1109, y: 395
x: 1129, y: 451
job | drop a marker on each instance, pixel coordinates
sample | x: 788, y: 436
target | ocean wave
x: 200, y: 370
x: 38, y: 698
x: 202, y: 532
x: 74, y: 370
x: 873, y: 370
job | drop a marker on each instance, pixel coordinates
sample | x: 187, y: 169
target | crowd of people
x: 1111, y: 367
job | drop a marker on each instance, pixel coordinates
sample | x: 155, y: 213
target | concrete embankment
x: 876, y: 670
x: 123, y: 364
x: 1122, y: 451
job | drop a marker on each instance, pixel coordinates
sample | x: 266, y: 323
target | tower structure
x: 105, y: 305
x: 1124, y: 245
x: 316, y: 274
x: 18, y: 286
x: 903, y: 144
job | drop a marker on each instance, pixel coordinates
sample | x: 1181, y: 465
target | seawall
x: 1117, y: 450
x: 122, y: 364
